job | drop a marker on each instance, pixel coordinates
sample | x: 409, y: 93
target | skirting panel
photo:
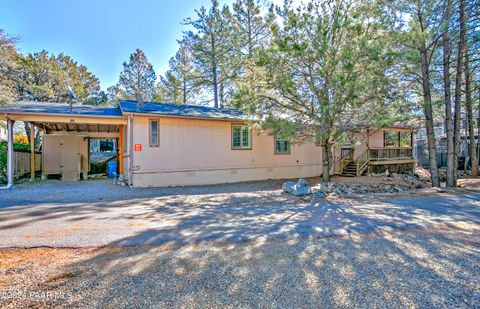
x: 204, y: 177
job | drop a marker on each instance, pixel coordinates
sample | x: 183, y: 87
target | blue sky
x: 100, y: 34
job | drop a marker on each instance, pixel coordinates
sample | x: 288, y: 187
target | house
x: 440, y: 131
x: 167, y: 145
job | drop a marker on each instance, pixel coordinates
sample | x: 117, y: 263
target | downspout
x: 9, y: 155
x: 130, y: 150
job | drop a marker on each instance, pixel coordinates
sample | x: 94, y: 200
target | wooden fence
x: 22, y: 162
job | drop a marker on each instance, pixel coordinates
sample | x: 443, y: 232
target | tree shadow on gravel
x: 408, y: 269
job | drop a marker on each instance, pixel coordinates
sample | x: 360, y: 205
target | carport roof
x: 161, y: 109
x: 28, y: 107
x: 174, y: 110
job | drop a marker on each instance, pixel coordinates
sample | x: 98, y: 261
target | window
x: 390, y: 139
x: 397, y: 139
x: 241, y: 137
x: 405, y: 139
x: 154, y: 133
x: 282, y: 145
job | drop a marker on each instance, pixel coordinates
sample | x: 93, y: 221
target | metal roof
x: 60, y: 109
x: 174, y: 110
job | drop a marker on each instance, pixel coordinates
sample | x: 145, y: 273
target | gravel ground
x: 415, y: 268
x: 89, y: 214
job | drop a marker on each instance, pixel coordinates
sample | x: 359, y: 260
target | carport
x: 65, y: 131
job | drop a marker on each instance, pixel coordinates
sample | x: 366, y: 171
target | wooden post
x: 120, y: 149
x: 32, y: 151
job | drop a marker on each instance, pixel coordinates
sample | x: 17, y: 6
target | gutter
x: 130, y: 150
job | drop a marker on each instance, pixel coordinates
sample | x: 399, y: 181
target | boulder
x: 297, y: 188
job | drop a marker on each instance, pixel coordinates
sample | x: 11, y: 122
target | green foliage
x: 328, y: 62
x: 8, y: 65
x: 3, y: 157
x: 137, y: 80
x: 210, y: 45
x: 179, y: 84
x: 43, y: 77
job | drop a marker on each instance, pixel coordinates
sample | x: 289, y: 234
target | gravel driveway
x: 97, y: 213
x: 408, y: 269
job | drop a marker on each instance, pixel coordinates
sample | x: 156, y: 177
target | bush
x: 19, y: 143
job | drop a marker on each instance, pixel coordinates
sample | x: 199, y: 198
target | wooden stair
x: 350, y: 169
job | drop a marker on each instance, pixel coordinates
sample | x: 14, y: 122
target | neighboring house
x: 421, y: 145
x: 167, y: 145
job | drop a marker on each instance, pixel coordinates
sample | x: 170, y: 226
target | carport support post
x: 32, y: 151
x: 9, y: 153
x: 120, y: 149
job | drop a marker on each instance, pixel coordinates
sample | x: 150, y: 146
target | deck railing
x: 390, y: 153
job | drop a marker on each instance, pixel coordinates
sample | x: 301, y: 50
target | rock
x: 399, y: 189
x: 288, y: 186
x: 319, y: 194
x: 297, y: 189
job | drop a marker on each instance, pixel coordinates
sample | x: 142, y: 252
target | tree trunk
x: 458, y: 90
x: 478, y: 131
x: 215, y: 87
x: 468, y: 105
x: 448, y: 96
x: 427, y: 106
x: 326, y: 159
x: 184, y: 86
x: 27, y: 131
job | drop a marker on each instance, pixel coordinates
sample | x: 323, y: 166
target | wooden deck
x: 399, y: 159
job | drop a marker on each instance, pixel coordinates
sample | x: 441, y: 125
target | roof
x: 187, y: 111
x: 60, y: 109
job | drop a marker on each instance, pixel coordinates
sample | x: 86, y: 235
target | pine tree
x: 179, y: 82
x: 251, y: 27
x: 419, y: 32
x: 327, y: 63
x: 211, y: 48
x: 138, y: 78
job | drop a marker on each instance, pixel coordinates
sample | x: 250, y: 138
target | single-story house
x: 168, y: 145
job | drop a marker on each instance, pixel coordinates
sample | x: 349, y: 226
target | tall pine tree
x: 137, y: 80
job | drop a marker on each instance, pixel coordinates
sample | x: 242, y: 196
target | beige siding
x: 375, y: 138
x: 61, y: 155
x: 199, y: 152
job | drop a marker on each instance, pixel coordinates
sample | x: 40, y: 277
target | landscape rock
x: 297, y: 188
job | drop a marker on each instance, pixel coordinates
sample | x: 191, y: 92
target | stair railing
x: 362, y: 163
x: 346, y: 156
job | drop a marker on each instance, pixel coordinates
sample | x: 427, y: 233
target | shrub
x: 20, y: 143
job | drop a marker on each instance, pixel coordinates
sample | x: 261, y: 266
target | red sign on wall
x: 137, y: 147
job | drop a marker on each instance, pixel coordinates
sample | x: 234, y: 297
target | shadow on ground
x: 408, y: 269
x: 258, y: 248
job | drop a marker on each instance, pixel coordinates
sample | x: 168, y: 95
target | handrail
x: 346, y: 159
x: 362, y: 168
x: 362, y: 162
